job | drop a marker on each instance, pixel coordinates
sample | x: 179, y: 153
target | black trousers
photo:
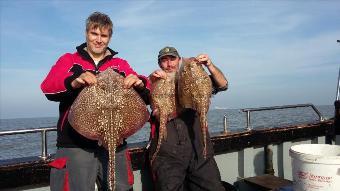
x: 180, y: 165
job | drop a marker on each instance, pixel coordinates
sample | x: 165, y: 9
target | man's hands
x: 87, y: 79
x: 204, y: 59
x: 157, y: 74
x: 133, y: 80
x: 216, y: 73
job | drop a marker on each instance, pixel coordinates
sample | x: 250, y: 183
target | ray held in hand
x: 105, y: 112
x: 164, y: 102
x: 194, y: 88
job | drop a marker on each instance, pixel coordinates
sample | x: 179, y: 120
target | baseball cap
x: 167, y: 51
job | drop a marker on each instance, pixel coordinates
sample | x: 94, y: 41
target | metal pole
x: 338, y: 87
x: 338, y: 90
x: 248, y: 121
x: 321, y: 118
x: 337, y: 113
x: 225, y: 121
x: 268, y: 160
x: 43, y: 145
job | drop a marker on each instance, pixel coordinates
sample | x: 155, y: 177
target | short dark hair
x: 99, y: 20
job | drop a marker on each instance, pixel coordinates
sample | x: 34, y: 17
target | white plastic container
x: 315, y: 167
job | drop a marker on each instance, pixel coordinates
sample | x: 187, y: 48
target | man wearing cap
x: 180, y: 164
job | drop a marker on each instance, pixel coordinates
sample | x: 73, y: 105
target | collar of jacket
x: 83, y: 53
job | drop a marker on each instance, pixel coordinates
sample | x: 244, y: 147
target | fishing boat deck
x: 239, y: 156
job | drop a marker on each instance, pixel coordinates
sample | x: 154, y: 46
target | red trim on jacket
x: 64, y: 118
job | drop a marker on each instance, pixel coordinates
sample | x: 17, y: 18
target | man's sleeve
x: 216, y: 89
x: 57, y: 84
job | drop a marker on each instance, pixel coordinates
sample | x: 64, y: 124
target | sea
x: 26, y: 145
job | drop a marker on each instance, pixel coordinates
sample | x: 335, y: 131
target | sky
x: 272, y: 52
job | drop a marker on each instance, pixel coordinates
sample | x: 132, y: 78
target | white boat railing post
x: 225, y: 124
x: 321, y: 118
x: 248, y: 121
x: 44, y: 154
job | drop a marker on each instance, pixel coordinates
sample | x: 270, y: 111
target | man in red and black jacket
x: 79, y: 162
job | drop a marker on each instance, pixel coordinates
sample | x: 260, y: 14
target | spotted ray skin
x: 163, y: 98
x: 108, y: 113
x: 194, y: 91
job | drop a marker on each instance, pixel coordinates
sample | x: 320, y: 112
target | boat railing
x: 249, y: 110
x: 44, y: 154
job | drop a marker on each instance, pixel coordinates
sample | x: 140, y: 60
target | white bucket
x: 316, y: 167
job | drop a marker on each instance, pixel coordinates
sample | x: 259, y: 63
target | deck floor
x: 32, y: 188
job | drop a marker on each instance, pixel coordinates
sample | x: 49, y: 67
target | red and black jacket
x: 57, y: 87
